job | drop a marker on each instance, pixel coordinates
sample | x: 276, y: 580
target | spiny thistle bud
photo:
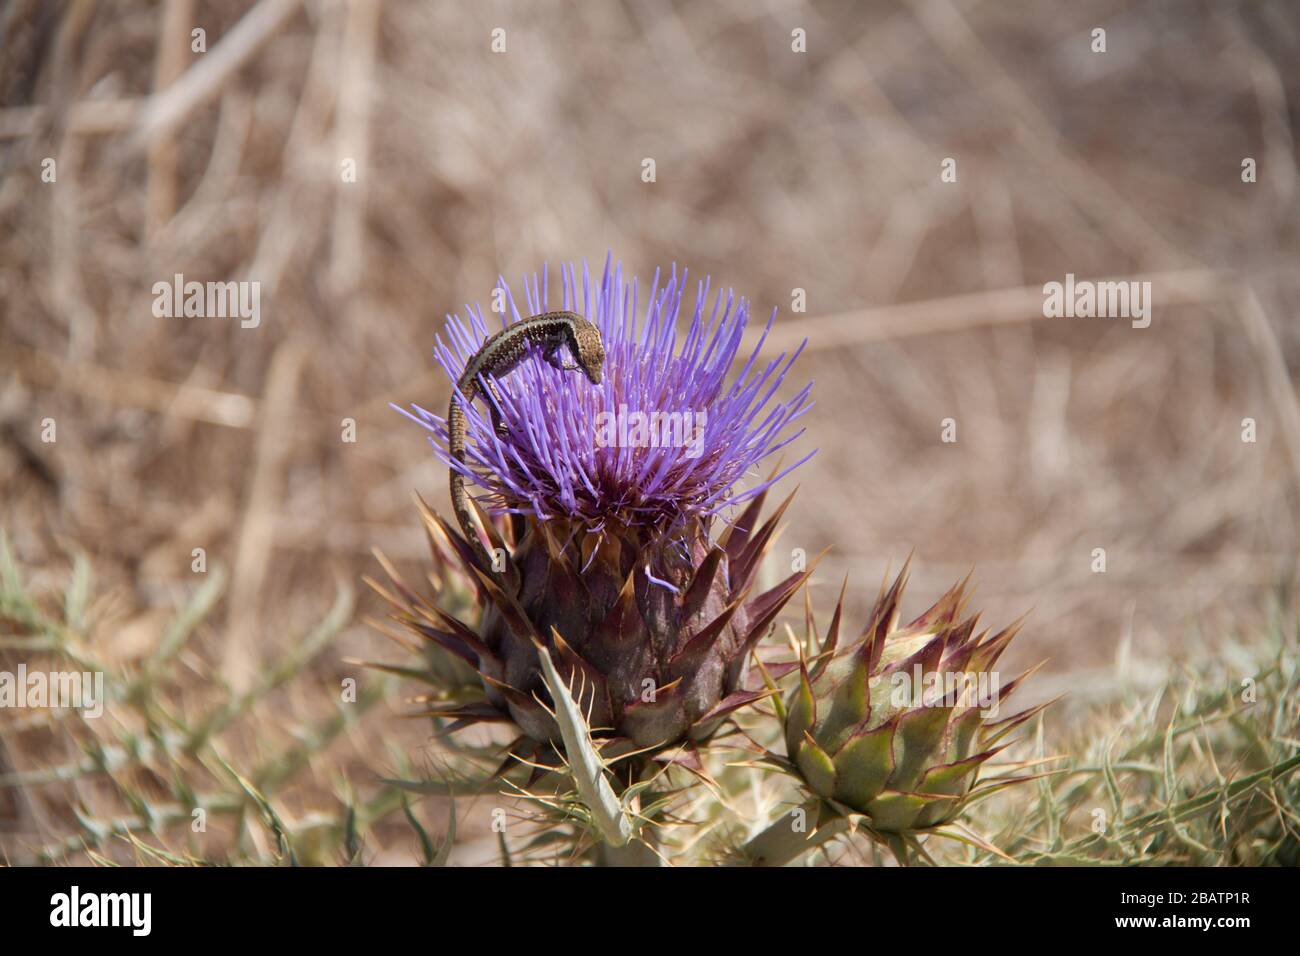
x: 897, y: 726
x: 616, y: 553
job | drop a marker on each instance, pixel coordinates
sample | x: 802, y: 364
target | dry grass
x: 775, y: 171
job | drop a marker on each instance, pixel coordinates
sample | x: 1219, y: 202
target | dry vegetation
x: 775, y: 171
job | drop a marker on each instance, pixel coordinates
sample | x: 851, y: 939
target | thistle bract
x: 624, y: 549
x: 898, y: 725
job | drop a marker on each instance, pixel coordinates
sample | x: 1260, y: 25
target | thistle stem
x: 784, y: 842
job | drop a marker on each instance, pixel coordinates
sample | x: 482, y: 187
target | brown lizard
x: 551, y: 331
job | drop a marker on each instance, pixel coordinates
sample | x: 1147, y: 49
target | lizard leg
x: 554, y: 360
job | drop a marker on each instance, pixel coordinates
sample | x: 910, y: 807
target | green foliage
x: 1200, y: 771
x: 1197, y: 769
x: 129, y: 786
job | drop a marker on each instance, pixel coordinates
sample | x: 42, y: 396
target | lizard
x: 498, y: 356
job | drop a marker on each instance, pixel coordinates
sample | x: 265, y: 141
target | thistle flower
x: 898, y: 725
x: 609, y: 558
x: 599, y: 454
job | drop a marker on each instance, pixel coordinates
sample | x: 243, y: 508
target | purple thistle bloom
x: 664, y: 437
x: 628, y: 590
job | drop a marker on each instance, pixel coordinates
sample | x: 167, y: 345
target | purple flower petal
x: 685, y: 434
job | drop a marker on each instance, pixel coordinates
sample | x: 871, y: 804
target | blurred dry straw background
x: 776, y: 170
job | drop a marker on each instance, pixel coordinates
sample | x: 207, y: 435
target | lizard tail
x: 456, y: 428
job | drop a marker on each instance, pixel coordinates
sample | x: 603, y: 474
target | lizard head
x: 589, y: 349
